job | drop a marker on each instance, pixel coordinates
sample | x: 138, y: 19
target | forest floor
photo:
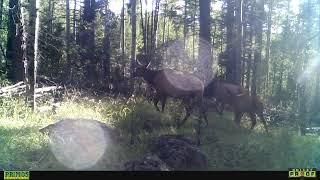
x: 226, y: 146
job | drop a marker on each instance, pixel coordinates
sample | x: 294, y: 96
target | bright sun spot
x: 116, y: 5
x: 312, y: 67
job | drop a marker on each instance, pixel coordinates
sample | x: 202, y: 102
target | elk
x: 169, y: 83
x: 238, y: 98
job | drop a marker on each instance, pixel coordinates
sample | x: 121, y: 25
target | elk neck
x: 149, y: 75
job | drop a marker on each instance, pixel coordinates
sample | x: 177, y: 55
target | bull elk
x: 174, y: 84
x: 238, y: 98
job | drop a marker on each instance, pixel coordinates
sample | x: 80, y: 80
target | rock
x: 179, y: 153
x: 149, y: 162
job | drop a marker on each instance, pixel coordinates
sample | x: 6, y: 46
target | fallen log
x: 19, y: 89
x: 12, y: 87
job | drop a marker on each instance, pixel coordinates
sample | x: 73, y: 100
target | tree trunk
x: 36, y: 54
x: 1, y: 10
x: 133, y: 38
x: 155, y: 25
x: 268, y: 43
x: 24, y: 42
x: 106, y: 63
x: 14, y: 53
x: 68, y: 63
x: 32, y: 50
x: 230, y: 19
x: 143, y: 29
x: 51, y: 15
x: 151, y: 26
x: 185, y: 24
x: 164, y: 23
x: 87, y: 42
x: 146, y: 18
x: 258, y: 44
x: 75, y: 21
x: 238, y: 43
x: 318, y: 73
x: 205, y: 57
x: 250, y: 55
x: 122, y: 33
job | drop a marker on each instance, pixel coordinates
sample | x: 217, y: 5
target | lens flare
x: 188, y: 58
x: 78, y: 145
x: 311, y: 67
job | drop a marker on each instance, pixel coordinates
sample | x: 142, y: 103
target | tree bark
x: 87, y: 42
x: 68, y: 63
x: 143, y: 29
x: 133, y: 38
x: 75, y: 21
x: 106, y: 63
x: 1, y: 10
x: 24, y: 41
x: 185, y: 24
x: 230, y: 19
x: 14, y: 53
x: 268, y: 43
x: 205, y: 57
x: 238, y: 43
x: 122, y: 32
x: 256, y: 77
x: 155, y: 25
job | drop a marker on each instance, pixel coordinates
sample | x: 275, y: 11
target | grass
x: 226, y: 146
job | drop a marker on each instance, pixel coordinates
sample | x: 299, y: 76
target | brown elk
x: 238, y: 98
x: 169, y: 83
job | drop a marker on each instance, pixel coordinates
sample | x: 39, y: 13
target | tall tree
x: 24, y: 41
x: 230, y: 26
x: 143, y: 30
x: 122, y: 32
x: 87, y: 42
x: 205, y: 57
x: 238, y: 43
x: 133, y: 37
x: 155, y: 25
x: 317, y: 89
x: 75, y: 21
x: 1, y: 10
x: 67, y: 40
x: 258, y: 46
x: 14, y: 54
x: 36, y: 53
x: 106, y: 43
x: 32, y: 50
x: 268, y: 43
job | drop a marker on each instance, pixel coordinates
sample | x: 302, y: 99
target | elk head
x: 141, y: 68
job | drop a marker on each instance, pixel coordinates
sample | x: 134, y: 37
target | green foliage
x: 226, y: 146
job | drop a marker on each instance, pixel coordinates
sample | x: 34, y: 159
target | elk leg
x: 253, y: 120
x: 263, y: 121
x: 188, y: 113
x: 198, y: 132
x: 203, y: 113
x: 221, y: 109
x: 237, y: 118
x: 155, y: 102
x: 164, y: 99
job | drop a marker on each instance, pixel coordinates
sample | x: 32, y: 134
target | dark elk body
x: 238, y: 99
x: 170, y: 83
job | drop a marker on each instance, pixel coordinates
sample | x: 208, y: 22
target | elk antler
x: 139, y: 63
x: 148, y: 64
